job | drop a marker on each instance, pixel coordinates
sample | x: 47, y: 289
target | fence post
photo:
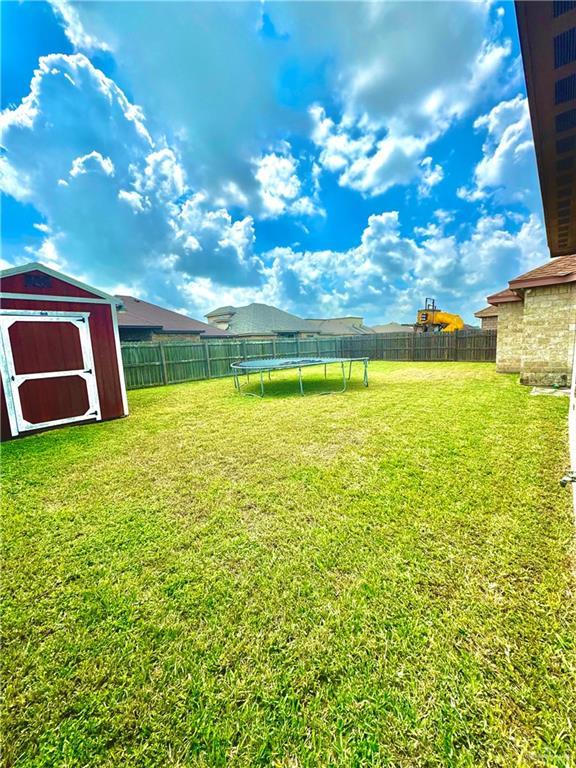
x: 163, y: 361
x: 207, y: 357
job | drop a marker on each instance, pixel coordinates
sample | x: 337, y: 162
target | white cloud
x: 280, y: 187
x: 93, y: 162
x: 367, y: 164
x: 279, y: 182
x: 507, y: 169
x: 74, y: 29
x: 133, y: 199
x: 384, y: 66
x: 387, y: 275
x: 431, y: 176
x: 148, y: 202
x: 99, y: 166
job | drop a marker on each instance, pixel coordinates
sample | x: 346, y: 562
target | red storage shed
x: 60, y: 352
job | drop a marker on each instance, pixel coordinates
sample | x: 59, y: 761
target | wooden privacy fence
x: 150, y: 364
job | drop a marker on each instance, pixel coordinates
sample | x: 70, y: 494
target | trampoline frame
x: 287, y: 364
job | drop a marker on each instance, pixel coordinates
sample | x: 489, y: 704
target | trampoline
x: 260, y: 367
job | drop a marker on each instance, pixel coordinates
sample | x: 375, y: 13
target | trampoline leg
x: 236, y: 387
x: 300, y: 381
x: 343, y: 377
x: 365, y: 373
x: 350, y: 370
x: 325, y: 374
x: 261, y: 383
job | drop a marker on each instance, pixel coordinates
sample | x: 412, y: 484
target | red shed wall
x: 103, y: 348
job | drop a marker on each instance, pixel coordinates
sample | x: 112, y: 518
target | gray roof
x: 393, y: 328
x: 220, y: 311
x: 487, y: 312
x: 340, y: 326
x: 256, y: 319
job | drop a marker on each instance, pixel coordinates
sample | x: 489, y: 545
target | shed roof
x: 143, y: 314
x: 59, y: 283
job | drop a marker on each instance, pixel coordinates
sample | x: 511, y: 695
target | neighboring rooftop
x: 503, y: 297
x: 257, y: 320
x: 393, y: 328
x: 143, y: 314
x: 340, y: 326
x: 487, y: 312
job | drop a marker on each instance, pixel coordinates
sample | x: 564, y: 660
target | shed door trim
x: 13, y: 380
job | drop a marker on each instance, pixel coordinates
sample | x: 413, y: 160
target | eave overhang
x: 548, y: 40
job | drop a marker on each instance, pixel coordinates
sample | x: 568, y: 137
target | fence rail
x: 150, y: 364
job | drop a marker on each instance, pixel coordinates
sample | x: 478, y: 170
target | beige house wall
x: 510, y: 337
x: 548, y: 335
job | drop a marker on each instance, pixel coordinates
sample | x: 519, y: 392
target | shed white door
x: 47, y: 369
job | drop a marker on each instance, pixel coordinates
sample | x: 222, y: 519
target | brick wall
x: 548, y: 339
x: 510, y: 337
x: 170, y: 338
x: 490, y: 323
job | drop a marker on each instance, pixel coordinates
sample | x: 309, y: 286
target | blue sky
x: 330, y: 158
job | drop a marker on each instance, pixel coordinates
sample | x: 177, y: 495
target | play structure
x: 259, y: 367
x: 435, y: 320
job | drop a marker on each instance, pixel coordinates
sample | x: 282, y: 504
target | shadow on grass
x: 288, y: 386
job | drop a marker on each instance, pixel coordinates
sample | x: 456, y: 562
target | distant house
x: 488, y: 318
x: 340, y: 326
x: 393, y: 328
x: 536, y: 324
x: 142, y: 321
x: 263, y: 321
x: 259, y: 320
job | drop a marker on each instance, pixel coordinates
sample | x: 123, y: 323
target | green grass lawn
x: 380, y: 578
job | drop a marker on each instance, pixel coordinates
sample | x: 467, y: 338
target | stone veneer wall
x: 549, y: 329
x: 510, y: 337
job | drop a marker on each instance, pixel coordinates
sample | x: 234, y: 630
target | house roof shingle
x: 559, y: 270
x: 256, y: 319
x: 142, y: 314
x: 487, y: 312
x: 503, y: 297
x: 349, y: 326
x: 393, y: 328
